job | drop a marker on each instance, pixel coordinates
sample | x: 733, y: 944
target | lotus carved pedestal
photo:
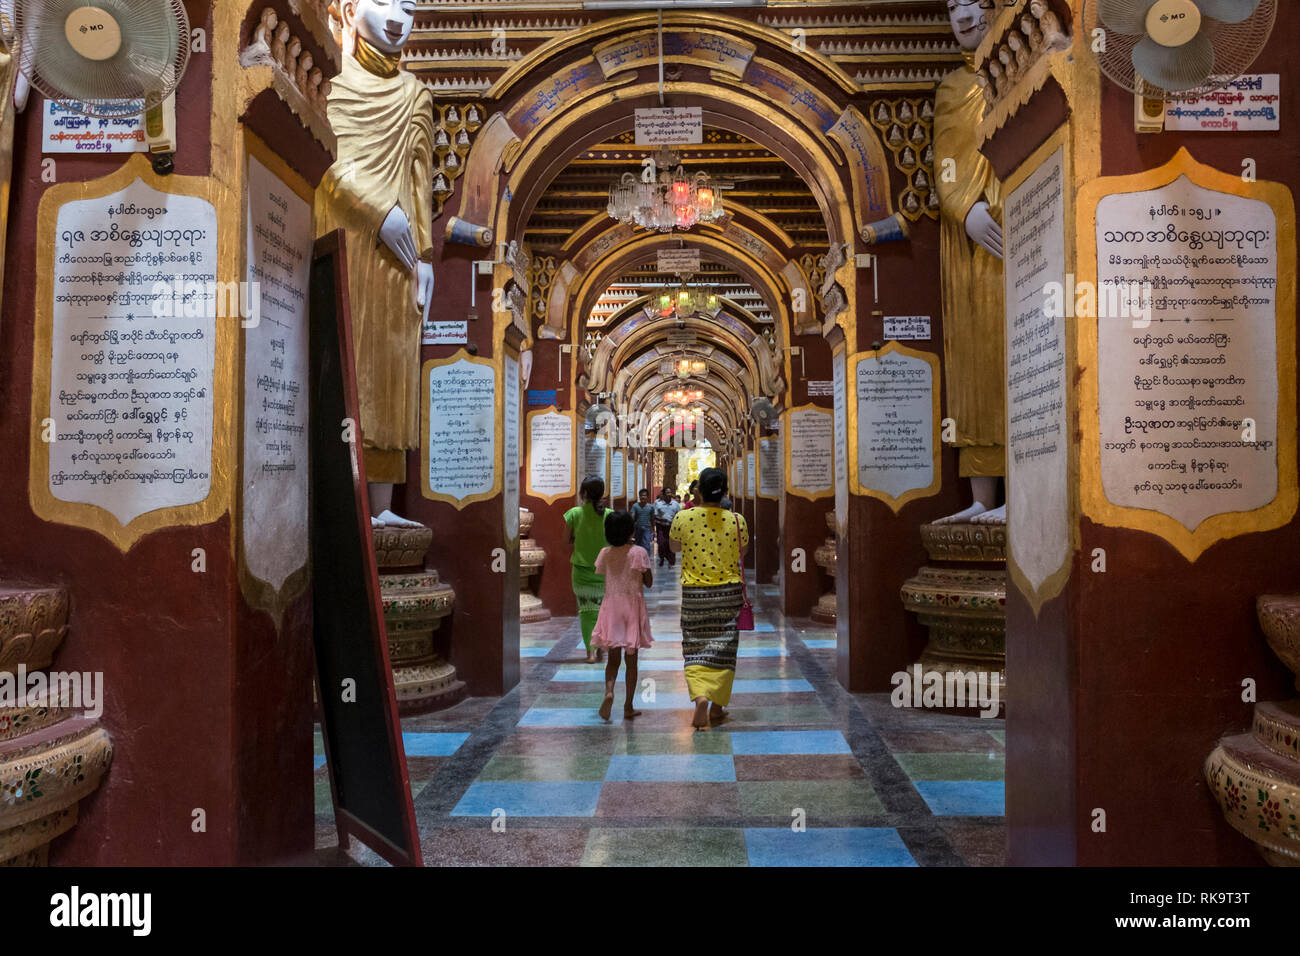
x: 962, y: 598
x: 1255, y: 777
x: 415, y: 601
x: 51, y: 755
x: 825, y: 556
x: 531, y: 559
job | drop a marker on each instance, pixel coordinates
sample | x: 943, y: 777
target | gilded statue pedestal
x: 51, y: 755
x: 415, y: 601
x: 531, y: 559
x: 825, y: 556
x: 962, y: 598
x: 1255, y: 777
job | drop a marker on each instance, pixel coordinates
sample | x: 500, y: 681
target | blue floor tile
x: 432, y: 744
x: 318, y: 762
x: 534, y: 651
x: 820, y: 643
x: 789, y: 742
x: 761, y: 652
x: 565, y: 717
x: 695, y: 768
x: 966, y: 798
x: 856, y: 846
x: 772, y: 686
x: 529, y: 799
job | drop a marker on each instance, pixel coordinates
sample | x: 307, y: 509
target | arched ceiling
x: 762, y: 183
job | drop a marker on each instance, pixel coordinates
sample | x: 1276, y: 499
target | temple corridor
x: 879, y: 786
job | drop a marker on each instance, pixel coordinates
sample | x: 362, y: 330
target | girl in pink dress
x: 624, y: 624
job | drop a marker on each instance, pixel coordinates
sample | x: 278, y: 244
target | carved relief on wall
x: 454, y: 127
x: 1012, y: 62
x: 907, y: 128
x: 541, y: 276
x: 296, y: 77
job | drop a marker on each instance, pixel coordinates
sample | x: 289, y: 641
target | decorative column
x: 531, y: 558
x: 1255, y: 777
x: 825, y: 556
x: 415, y: 602
x: 51, y: 755
x: 962, y: 599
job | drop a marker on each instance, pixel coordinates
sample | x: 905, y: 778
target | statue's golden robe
x: 974, y: 325
x: 383, y: 119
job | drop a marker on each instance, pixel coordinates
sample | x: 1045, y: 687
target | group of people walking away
x: 612, y: 567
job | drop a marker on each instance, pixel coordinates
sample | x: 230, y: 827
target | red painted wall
x: 1123, y: 685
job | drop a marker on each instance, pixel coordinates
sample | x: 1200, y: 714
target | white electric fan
x: 1177, y: 49
x: 97, y: 56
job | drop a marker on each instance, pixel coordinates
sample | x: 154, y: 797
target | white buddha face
x: 385, y: 24
x: 969, y: 21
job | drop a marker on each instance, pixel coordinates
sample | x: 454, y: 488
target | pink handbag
x: 745, y: 619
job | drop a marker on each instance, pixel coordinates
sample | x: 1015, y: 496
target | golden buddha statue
x: 379, y: 191
x: 970, y: 243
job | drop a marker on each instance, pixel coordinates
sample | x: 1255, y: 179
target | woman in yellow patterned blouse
x: 712, y: 543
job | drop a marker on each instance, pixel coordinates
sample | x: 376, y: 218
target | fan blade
x: 1175, y: 68
x: 1228, y: 11
x: 1124, y: 16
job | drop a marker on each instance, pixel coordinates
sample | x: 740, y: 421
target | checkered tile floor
x: 801, y: 774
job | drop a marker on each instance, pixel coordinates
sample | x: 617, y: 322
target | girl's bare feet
x: 629, y: 713
x: 716, y: 714
x: 591, y: 656
x: 701, y: 714
x: 607, y: 706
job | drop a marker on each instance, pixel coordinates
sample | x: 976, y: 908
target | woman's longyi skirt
x: 589, y: 589
x: 710, y: 640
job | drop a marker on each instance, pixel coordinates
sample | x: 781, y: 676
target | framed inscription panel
x: 1188, y: 398
x: 809, y: 454
x: 134, y: 340
x: 1041, y: 529
x: 550, y: 455
x: 460, y: 430
x: 895, y: 445
x: 273, y: 501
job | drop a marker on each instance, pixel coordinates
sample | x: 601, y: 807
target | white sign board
x: 811, y: 456
x: 1038, y: 448
x: 133, y: 351
x: 511, y: 438
x: 896, y: 431
x: 64, y: 130
x: 445, y: 333
x: 670, y: 126
x: 617, y: 475
x: 679, y: 261
x: 1250, y: 102
x: 1174, y: 395
x: 462, y: 446
x: 550, y: 455
x: 275, y: 471
x: 907, y: 328
x: 769, y: 467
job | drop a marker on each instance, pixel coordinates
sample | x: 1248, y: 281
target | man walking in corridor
x: 665, y: 510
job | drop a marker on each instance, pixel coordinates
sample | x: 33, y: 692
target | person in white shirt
x: 665, y: 510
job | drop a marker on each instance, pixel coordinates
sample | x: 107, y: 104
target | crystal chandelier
x: 663, y: 200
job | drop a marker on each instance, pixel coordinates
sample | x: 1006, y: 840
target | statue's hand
x: 396, y: 235
x: 424, y: 288
x: 984, y: 229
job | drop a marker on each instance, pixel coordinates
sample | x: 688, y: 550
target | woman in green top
x: 587, y: 537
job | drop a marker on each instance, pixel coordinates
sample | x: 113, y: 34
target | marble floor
x: 801, y: 774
